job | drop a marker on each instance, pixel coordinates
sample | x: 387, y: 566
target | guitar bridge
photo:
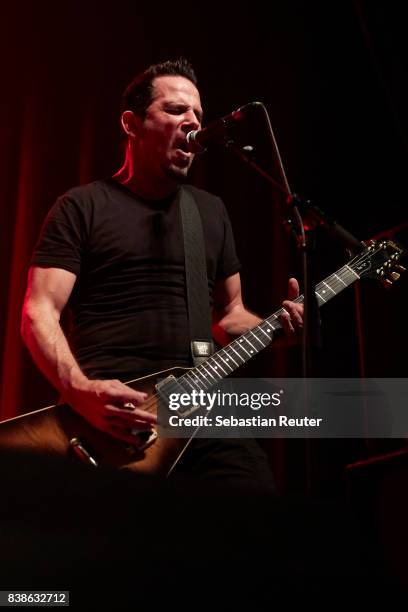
x: 146, y: 437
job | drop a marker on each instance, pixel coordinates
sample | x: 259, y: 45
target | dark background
x: 333, y: 79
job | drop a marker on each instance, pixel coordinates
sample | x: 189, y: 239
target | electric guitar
x: 59, y: 430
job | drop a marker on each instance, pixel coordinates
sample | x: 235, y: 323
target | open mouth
x: 182, y: 145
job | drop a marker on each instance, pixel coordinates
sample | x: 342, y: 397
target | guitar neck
x: 242, y: 349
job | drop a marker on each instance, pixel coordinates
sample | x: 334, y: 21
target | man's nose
x: 190, y: 122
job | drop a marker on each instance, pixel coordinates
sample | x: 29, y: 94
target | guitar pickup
x: 169, y: 386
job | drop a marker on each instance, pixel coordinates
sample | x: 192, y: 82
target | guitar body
x: 51, y: 431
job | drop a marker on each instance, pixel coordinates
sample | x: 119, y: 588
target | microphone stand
x: 305, y: 239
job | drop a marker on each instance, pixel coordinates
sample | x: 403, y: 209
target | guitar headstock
x: 379, y: 260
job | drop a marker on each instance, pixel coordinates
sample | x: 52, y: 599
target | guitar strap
x: 198, y: 303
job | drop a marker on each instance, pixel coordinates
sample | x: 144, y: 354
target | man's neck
x: 143, y: 185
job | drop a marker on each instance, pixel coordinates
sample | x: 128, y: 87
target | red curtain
x: 29, y: 198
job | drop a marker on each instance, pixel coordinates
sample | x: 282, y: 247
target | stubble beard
x: 175, y: 173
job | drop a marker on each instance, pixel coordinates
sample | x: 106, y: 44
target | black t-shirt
x: 129, y: 299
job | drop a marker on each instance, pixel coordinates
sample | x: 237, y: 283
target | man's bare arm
x: 99, y: 401
x: 231, y: 318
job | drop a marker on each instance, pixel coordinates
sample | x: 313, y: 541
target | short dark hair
x: 138, y: 95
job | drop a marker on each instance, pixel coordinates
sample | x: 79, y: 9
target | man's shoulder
x: 86, y: 199
x: 80, y: 192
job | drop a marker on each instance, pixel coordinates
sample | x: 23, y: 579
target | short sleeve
x: 228, y: 263
x: 62, y: 238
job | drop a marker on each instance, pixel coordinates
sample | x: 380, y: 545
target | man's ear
x: 130, y: 123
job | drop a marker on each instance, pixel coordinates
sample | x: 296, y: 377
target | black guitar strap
x: 198, y: 304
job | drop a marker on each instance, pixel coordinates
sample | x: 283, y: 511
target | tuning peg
x: 400, y: 268
x: 395, y: 276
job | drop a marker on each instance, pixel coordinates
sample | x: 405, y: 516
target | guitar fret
x: 208, y: 361
x: 204, y: 368
x: 243, y: 347
x: 342, y: 281
x: 345, y: 275
x: 218, y: 365
x: 328, y: 286
x: 228, y: 366
x: 250, y: 344
x: 259, y: 326
x: 323, y: 292
x: 195, y: 380
x: 231, y: 357
x: 352, y: 271
x: 276, y: 324
x: 240, y: 356
x: 256, y: 338
x: 201, y: 374
x: 320, y: 296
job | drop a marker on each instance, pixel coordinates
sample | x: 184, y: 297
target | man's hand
x: 103, y: 404
x: 292, y: 318
x: 233, y: 319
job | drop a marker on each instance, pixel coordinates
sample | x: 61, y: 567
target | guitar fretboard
x: 242, y: 349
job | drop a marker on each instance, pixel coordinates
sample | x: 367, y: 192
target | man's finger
x: 293, y: 289
x: 129, y: 396
x: 132, y: 413
x: 294, y: 312
x: 286, y: 322
x: 128, y: 418
x: 145, y: 416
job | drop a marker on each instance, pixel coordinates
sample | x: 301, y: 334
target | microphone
x: 217, y: 130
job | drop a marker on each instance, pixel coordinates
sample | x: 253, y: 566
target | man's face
x: 174, y: 111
